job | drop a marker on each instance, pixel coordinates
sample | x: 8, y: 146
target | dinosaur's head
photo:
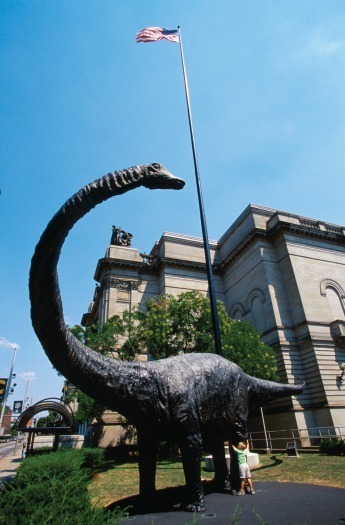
x: 159, y: 178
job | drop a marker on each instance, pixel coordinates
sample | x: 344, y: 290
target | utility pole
x: 8, y: 385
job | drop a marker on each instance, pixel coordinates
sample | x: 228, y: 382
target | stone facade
x: 282, y: 272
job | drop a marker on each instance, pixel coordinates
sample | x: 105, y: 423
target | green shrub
x: 93, y: 458
x: 332, y: 447
x: 52, y: 490
x: 41, y: 451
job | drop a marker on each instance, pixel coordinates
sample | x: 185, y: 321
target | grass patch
x: 120, y: 480
x: 315, y: 469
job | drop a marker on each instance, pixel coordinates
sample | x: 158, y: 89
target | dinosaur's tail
x: 261, y: 391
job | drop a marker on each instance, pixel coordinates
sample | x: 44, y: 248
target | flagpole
x: 212, y: 293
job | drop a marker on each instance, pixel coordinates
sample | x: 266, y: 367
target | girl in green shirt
x: 245, y: 474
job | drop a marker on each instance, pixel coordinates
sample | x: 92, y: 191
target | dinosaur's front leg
x: 191, y: 450
x: 148, y: 446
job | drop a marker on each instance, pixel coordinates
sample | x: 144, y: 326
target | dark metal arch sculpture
x: 50, y: 404
x: 195, y: 399
x: 41, y: 406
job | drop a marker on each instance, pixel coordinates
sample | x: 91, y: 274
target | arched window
x: 237, y: 312
x: 255, y: 302
x: 258, y: 314
x: 335, y: 297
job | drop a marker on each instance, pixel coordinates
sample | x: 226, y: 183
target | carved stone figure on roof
x: 120, y: 237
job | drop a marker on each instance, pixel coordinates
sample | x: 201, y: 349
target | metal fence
x: 302, y: 438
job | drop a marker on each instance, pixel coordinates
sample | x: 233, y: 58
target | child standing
x: 245, y: 476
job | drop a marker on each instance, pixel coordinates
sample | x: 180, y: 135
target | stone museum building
x: 282, y: 272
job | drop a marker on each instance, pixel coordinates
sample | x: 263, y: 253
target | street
x: 8, y: 449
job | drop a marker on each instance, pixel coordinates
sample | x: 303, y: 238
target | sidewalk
x: 273, y: 504
x: 8, y: 466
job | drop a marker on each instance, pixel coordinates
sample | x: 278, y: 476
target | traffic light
x: 12, y: 389
x: 3, y: 384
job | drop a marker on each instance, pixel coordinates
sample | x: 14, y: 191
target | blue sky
x: 80, y: 98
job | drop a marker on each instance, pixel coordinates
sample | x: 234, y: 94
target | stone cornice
x: 179, y: 238
x: 182, y: 263
x: 142, y: 268
x: 307, y: 228
x: 273, y: 224
x: 107, y: 263
x: 251, y: 209
x: 252, y: 236
x: 311, y: 228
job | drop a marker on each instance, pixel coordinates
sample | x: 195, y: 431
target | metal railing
x: 303, y: 438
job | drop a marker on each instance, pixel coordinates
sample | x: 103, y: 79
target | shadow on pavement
x: 273, y: 504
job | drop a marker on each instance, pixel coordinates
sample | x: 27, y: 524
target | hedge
x: 51, y: 489
x: 332, y: 447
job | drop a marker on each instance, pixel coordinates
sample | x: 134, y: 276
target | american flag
x: 152, y: 34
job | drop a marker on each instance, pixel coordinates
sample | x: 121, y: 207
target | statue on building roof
x: 120, y: 237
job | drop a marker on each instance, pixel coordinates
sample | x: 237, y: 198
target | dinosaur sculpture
x: 195, y: 399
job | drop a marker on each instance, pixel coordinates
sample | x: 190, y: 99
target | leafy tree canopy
x: 51, y: 420
x: 7, y: 409
x: 102, y: 338
x: 171, y: 325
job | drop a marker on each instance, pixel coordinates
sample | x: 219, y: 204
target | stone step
x: 252, y: 460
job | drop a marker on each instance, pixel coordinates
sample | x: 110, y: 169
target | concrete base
x: 72, y: 441
x: 67, y: 441
x: 43, y: 441
x: 252, y: 460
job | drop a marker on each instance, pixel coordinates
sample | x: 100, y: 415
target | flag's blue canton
x: 169, y: 31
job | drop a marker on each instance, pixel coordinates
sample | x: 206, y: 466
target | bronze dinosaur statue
x: 195, y: 399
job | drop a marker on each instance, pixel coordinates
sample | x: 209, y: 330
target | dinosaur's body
x: 195, y: 399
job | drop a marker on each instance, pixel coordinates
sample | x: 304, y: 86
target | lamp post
x: 8, y: 386
x: 268, y: 450
x: 27, y: 379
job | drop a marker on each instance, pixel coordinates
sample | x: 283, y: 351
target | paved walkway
x: 273, y: 504
x: 8, y: 466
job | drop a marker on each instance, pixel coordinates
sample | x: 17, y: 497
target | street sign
x: 17, y: 407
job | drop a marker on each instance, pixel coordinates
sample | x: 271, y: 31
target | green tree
x: 243, y: 346
x: 104, y: 338
x: 101, y: 337
x: 7, y: 409
x: 51, y: 420
x: 133, y: 342
x: 171, y: 325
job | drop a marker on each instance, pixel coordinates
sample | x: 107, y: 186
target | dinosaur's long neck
x: 96, y: 375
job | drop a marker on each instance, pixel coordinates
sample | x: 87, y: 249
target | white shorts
x: 244, y: 471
